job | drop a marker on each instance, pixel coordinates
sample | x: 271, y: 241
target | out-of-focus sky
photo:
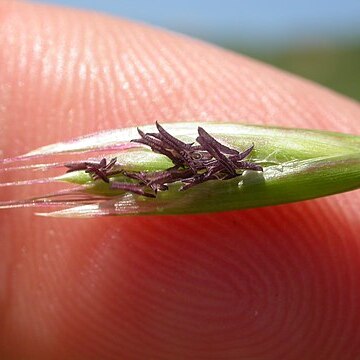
x: 250, y: 22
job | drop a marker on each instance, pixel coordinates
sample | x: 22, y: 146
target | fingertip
x: 242, y: 284
x: 68, y: 73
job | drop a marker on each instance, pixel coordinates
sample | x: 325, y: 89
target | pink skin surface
x: 272, y: 283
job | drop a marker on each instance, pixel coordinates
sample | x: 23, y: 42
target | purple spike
x: 212, y: 141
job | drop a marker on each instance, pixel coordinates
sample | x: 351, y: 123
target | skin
x: 271, y: 283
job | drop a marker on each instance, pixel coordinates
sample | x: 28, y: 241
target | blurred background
x: 317, y: 39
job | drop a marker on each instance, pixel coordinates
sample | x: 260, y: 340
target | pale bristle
x: 28, y: 182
